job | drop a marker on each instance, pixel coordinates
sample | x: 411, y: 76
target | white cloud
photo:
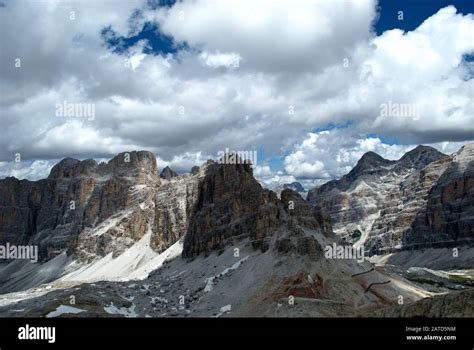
x: 330, y: 154
x: 262, y: 170
x: 422, y: 68
x: 275, y: 179
x: 298, y: 165
x: 229, y: 60
x: 36, y: 170
x: 184, y: 162
x: 339, y: 150
x: 271, y: 35
x: 290, y: 55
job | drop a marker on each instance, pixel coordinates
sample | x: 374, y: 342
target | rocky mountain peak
x: 371, y: 158
x: 235, y: 158
x: 368, y: 163
x: 70, y: 167
x: 421, y: 200
x: 230, y: 203
x: 295, y: 186
x: 419, y: 157
x: 465, y: 153
x: 143, y: 161
x: 167, y: 173
x: 222, y: 210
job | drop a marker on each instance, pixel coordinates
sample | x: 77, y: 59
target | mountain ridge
x: 386, y: 204
x: 215, y: 236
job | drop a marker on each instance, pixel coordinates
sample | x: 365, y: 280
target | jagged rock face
x: 299, y: 244
x: 49, y: 212
x: 394, y: 222
x: 448, y: 217
x: 230, y: 203
x: 349, y: 201
x: 77, y: 196
x: 126, y: 163
x: 370, y: 164
x: 25, y: 207
x: 167, y: 173
x: 418, y: 158
x: 295, y: 186
x: 92, y: 210
x: 141, y: 162
x: 216, y: 206
x: 421, y: 200
x: 69, y: 167
x: 161, y: 208
x: 173, y: 205
x: 303, y: 214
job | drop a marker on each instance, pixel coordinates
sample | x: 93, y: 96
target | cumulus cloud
x: 183, y: 163
x: 275, y: 179
x: 252, y: 75
x: 36, y: 170
x: 220, y: 59
x: 423, y: 68
x: 330, y: 154
x: 272, y: 35
x: 262, y: 170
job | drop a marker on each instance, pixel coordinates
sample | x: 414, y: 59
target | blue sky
x: 414, y: 12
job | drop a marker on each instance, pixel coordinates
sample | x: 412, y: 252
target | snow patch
x: 210, y: 281
x: 124, y: 311
x: 64, y: 309
x: 224, y: 309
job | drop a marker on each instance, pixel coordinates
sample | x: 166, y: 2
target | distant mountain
x: 167, y: 173
x: 294, y: 186
x: 424, y: 199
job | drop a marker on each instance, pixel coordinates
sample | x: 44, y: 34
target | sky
x: 311, y: 85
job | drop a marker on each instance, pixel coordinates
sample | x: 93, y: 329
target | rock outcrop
x: 91, y: 210
x: 422, y: 200
x: 303, y: 214
x: 233, y: 205
x: 85, y: 212
x: 448, y: 217
x: 230, y: 204
x: 167, y: 173
x: 77, y: 201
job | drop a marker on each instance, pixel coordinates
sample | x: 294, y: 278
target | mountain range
x: 424, y: 200
x: 127, y: 240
